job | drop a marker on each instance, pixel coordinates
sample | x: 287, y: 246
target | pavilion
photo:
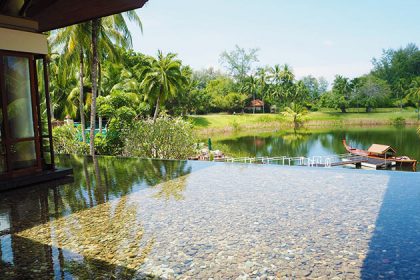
x: 26, y: 151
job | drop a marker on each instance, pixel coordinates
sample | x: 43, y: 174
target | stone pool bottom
x: 216, y: 221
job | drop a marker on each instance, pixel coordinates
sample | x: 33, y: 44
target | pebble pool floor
x: 225, y: 221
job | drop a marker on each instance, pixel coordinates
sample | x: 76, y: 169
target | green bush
x: 235, y: 125
x: 167, y: 138
x: 398, y: 121
x: 66, y: 140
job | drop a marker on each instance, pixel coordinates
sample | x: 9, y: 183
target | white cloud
x: 328, y: 43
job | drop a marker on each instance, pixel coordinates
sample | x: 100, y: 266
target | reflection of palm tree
x: 99, y: 179
x: 114, y: 240
x: 157, y: 171
x: 172, y: 188
x: 100, y: 192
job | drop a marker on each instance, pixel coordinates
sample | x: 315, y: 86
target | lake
x: 319, y: 142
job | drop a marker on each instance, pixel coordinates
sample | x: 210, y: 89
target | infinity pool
x: 139, y: 219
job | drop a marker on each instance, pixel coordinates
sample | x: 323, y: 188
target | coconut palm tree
x: 106, y: 34
x: 263, y: 78
x: 73, y: 42
x: 295, y: 112
x: 62, y: 83
x: 282, y: 79
x: 161, y: 78
x: 250, y: 86
x: 414, y: 94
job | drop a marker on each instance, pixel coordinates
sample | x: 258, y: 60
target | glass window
x: 23, y: 155
x: 2, y: 149
x: 19, y: 101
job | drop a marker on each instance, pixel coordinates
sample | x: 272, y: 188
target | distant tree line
x: 96, y: 75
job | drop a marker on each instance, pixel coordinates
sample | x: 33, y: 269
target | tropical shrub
x: 164, y: 138
x: 295, y: 113
x: 398, y: 121
x: 121, y: 109
x: 66, y: 140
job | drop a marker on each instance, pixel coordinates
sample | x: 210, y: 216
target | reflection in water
x: 88, y: 228
x: 172, y: 188
x: 162, y: 218
x: 319, y: 142
x: 114, y: 239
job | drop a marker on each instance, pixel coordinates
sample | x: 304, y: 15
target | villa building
x: 26, y: 152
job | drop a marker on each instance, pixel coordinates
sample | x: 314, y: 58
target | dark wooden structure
x: 45, y: 15
x: 256, y: 105
x: 26, y: 151
x: 382, y: 156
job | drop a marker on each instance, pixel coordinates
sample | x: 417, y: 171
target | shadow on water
x: 36, y: 242
x: 394, y: 249
x: 78, y: 228
x: 41, y: 261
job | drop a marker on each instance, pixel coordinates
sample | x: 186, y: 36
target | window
x: 25, y: 129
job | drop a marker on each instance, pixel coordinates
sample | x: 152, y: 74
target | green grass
x: 381, y: 116
x: 377, y: 114
x: 224, y: 120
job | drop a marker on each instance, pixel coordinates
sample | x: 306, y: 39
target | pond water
x: 309, y: 143
x: 122, y: 218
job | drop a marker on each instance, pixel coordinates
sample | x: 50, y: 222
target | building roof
x: 53, y: 14
x: 381, y: 149
x: 256, y: 103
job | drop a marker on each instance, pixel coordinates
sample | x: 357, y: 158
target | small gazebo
x: 381, y: 150
x: 256, y: 105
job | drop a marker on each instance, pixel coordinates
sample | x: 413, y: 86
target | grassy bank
x: 214, y: 123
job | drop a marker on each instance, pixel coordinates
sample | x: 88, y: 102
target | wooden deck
x: 41, y: 177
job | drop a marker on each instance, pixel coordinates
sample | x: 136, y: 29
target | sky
x: 315, y: 37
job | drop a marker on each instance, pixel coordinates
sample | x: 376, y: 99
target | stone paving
x: 264, y: 222
x: 232, y: 221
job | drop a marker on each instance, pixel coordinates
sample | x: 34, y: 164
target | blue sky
x: 317, y: 37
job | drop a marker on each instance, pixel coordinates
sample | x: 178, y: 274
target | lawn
x: 382, y: 116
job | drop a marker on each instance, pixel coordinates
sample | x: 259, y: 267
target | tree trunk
x: 253, y: 107
x: 81, y: 99
x: 94, y: 78
x: 99, y: 93
x: 368, y: 109
x: 343, y: 110
x: 49, y: 75
x: 156, y: 109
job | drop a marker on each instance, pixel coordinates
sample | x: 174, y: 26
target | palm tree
x: 161, y: 78
x: 282, y: 78
x: 251, y: 86
x: 262, y: 83
x: 296, y: 113
x: 74, y: 42
x: 414, y: 94
x: 106, y: 33
x: 62, y: 82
